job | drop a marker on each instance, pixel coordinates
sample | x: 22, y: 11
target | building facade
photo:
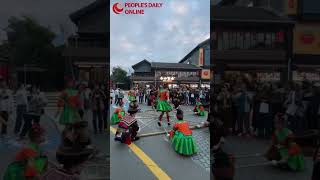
x: 306, y: 33
x: 86, y: 53
x: 251, y: 41
x: 200, y: 56
x: 148, y: 73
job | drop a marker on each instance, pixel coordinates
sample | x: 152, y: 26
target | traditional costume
x: 30, y: 162
x: 199, y: 109
x: 131, y: 96
x: 128, y: 126
x: 118, y: 114
x: 70, y: 103
x: 163, y: 105
x: 181, y: 136
x: 284, y: 152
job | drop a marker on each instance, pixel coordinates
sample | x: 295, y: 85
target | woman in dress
x: 181, y: 137
x: 163, y: 104
x: 284, y: 152
x: 69, y: 104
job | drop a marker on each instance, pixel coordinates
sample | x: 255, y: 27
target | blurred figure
x: 97, y: 101
x: 21, y: 101
x: 6, y: 105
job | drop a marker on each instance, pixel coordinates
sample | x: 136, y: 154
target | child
x: 182, y: 140
x: 118, y: 114
x: 30, y: 161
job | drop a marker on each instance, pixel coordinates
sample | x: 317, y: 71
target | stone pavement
x: 148, y: 119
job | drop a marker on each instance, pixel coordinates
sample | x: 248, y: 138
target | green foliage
x: 30, y: 42
x: 120, y: 76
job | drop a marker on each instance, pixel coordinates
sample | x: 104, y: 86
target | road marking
x: 154, y: 168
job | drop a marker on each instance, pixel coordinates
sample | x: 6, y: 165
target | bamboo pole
x: 163, y: 132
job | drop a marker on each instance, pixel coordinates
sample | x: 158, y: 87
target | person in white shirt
x: 6, y: 106
x: 22, y: 102
x: 116, y: 96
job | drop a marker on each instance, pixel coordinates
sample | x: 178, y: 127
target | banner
x: 291, y: 7
x: 205, y: 74
x: 201, y: 57
x: 307, y: 39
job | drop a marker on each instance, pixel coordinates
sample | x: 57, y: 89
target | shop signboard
x: 307, y: 39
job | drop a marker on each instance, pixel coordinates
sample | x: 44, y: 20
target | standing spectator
x: 147, y: 95
x: 192, y: 98
x: 243, y: 105
x: 6, y: 105
x: 141, y: 96
x: 97, y: 100
x: 116, y: 96
x: 21, y: 101
x: 120, y: 97
x: 36, y: 104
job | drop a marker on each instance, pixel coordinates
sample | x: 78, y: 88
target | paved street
x: 245, y: 146
x: 95, y: 168
x: 159, y: 149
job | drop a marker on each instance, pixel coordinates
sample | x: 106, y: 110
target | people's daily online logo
x: 133, y: 8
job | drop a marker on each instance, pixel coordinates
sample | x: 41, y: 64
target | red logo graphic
x: 206, y: 73
x: 117, y: 8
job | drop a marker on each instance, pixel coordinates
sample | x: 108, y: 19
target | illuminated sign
x: 307, y: 39
x: 205, y: 74
x: 201, y: 57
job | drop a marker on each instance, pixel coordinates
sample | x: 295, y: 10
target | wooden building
x: 150, y: 73
x: 251, y: 40
x: 86, y: 53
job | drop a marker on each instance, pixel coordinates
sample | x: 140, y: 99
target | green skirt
x: 69, y: 116
x: 115, y: 119
x: 295, y: 162
x: 184, y: 145
x: 200, y: 113
x: 163, y: 106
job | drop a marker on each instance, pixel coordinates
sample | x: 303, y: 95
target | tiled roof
x: 174, y: 66
x: 88, y: 9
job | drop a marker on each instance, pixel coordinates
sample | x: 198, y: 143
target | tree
x: 31, y: 44
x: 119, y: 76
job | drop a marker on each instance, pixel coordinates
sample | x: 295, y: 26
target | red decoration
x: 307, y: 39
x: 205, y: 73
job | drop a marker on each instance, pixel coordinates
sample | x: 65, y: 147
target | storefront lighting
x: 161, y: 78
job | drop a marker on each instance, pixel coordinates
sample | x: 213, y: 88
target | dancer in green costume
x: 70, y: 104
x: 199, y: 109
x: 284, y: 152
x: 30, y: 162
x: 131, y: 96
x: 163, y: 104
x: 182, y: 140
x: 118, y: 114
